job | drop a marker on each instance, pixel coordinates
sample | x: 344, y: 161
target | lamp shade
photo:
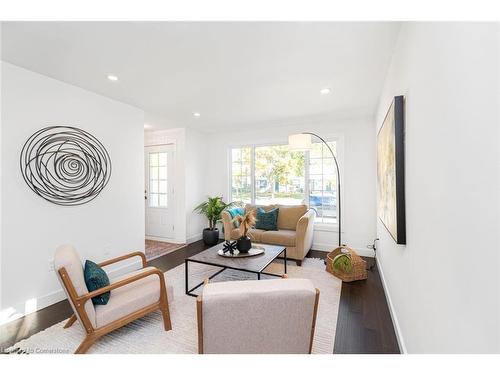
x: 299, y: 142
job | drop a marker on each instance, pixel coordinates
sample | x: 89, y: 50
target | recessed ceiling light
x: 325, y: 91
x: 112, y: 78
x: 196, y: 114
x: 147, y: 126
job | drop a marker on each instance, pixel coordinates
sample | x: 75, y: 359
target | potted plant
x: 212, y: 209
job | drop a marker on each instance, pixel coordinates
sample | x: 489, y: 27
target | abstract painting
x: 391, y: 171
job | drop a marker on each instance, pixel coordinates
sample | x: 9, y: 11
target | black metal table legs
x: 189, y: 291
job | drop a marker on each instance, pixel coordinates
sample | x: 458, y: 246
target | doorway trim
x: 174, y: 137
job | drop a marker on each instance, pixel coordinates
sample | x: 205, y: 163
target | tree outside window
x: 284, y: 177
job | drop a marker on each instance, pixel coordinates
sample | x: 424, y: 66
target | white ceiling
x: 232, y: 73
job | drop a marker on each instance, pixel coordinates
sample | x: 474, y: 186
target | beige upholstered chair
x: 295, y: 229
x: 257, y: 317
x: 132, y: 296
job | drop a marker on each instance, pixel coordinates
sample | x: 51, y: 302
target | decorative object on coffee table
x: 212, y: 209
x: 229, y: 246
x: 344, y: 263
x: 247, y: 221
x: 255, y: 250
x: 244, y: 244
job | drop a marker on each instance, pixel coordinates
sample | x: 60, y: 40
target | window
x: 323, y: 182
x: 275, y: 175
x: 241, y: 181
x: 279, y: 175
x: 158, y: 179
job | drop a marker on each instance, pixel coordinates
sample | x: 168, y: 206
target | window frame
x: 339, y: 144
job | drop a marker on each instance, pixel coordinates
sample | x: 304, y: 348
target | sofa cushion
x: 255, y: 234
x: 289, y: 216
x: 253, y: 207
x: 281, y: 237
x: 131, y: 297
x: 267, y: 220
x: 96, y: 278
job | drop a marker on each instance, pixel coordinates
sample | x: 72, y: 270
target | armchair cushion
x: 131, y: 297
x: 67, y: 257
x: 96, y: 278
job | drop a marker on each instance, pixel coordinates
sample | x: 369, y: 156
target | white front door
x: 159, y: 191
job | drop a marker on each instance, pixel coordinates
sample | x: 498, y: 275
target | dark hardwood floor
x: 364, y: 323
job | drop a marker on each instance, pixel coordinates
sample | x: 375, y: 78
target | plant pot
x: 211, y: 236
x: 244, y: 244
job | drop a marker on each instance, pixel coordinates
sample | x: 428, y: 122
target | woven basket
x: 358, y: 271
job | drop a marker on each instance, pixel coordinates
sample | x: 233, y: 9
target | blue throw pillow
x: 235, y: 211
x: 95, y: 278
x: 267, y: 220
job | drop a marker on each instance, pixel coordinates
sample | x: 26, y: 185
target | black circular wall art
x: 65, y: 165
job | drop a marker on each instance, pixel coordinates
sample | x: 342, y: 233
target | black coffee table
x: 255, y: 264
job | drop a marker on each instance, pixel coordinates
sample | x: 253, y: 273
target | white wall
x: 444, y: 285
x: 357, y: 164
x: 108, y: 226
x: 198, y: 172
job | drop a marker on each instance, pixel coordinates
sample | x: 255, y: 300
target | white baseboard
x: 46, y: 300
x: 164, y: 239
x: 328, y: 247
x: 395, y: 322
x: 194, y: 238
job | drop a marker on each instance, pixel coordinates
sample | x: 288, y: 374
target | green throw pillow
x: 267, y: 220
x: 95, y: 278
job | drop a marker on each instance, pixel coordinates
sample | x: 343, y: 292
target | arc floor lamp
x: 303, y: 142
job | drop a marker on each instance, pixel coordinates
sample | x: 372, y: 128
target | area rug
x: 146, y: 335
x: 156, y: 249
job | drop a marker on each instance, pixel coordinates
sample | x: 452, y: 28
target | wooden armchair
x: 132, y: 296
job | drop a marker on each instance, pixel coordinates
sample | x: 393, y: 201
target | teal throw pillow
x: 95, y: 278
x: 235, y: 211
x: 267, y: 220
